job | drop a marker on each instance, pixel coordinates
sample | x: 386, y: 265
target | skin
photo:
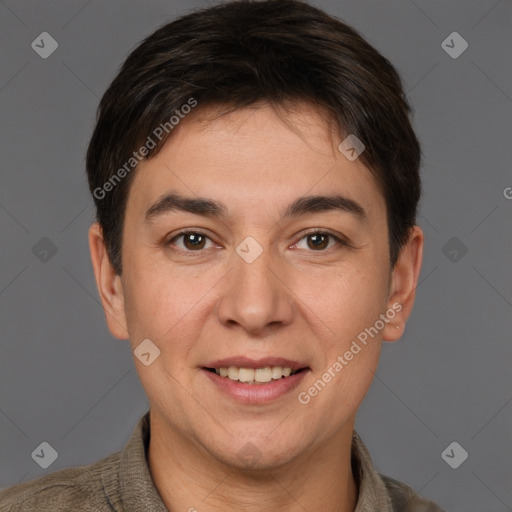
x: 295, y: 301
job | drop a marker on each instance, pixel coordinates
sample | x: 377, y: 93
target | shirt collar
x: 137, y: 491
x: 136, y: 485
x: 372, y: 492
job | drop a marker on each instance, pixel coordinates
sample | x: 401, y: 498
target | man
x: 255, y: 175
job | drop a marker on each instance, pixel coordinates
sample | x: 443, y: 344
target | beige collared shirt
x: 122, y: 482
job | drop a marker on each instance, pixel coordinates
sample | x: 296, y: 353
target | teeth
x: 263, y: 374
x: 246, y: 375
x: 232, y: 373
x: 251, y: 375
x: 277, y: 372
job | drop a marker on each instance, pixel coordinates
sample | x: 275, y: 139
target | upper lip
x: 247, y: 362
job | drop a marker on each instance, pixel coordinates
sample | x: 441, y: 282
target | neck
x: 188, y: 478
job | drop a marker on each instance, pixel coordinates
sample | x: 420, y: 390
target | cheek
x: 149, y: 302
x: 163, y: 303
x: 354, y: 380
x: 349, y: 303
x: 347, y: 299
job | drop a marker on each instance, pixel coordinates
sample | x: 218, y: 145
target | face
x: 256, y: 280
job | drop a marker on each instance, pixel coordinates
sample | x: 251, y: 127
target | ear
x: 109, y: 284
x: 404, y: 280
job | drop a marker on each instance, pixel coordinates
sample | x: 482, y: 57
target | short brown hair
x: 241, y: 53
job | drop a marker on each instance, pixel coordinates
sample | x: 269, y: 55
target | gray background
x: 66, y: 381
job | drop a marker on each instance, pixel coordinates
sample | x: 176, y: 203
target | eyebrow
x: 173, y: 202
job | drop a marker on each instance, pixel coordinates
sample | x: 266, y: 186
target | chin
x: 258, y: 454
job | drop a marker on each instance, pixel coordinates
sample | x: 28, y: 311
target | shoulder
x: 77, y: 488
x: 405, y: 499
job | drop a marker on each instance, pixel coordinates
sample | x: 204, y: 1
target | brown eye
x: 318, y: 241
x: 193, y: 241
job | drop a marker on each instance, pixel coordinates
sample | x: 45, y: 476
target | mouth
x: 255, y: 375
x: 255, y: 381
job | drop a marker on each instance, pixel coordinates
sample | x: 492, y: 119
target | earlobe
x: 108, y: 283
x: 403, y: 284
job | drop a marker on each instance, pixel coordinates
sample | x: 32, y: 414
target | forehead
x: 254, y: 157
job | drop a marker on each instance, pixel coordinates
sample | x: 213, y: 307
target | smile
x: 251, y: 381
x: 255, y: 375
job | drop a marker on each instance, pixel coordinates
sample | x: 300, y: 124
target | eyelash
x: 338, y: 239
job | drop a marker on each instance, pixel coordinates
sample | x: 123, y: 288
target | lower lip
x: 256, y: 393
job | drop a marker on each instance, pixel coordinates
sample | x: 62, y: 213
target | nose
x: 256, y: 295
